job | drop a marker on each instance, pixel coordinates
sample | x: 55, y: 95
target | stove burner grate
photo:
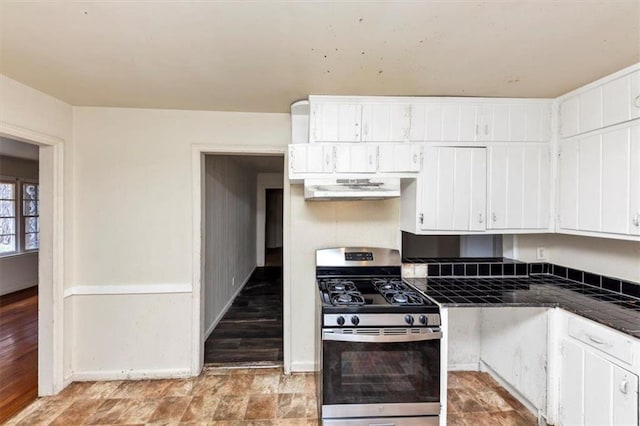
x: 386, y: 284
x: 403, y: 297
x: 347, y: 298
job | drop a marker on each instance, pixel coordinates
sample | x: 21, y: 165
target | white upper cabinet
x: 356, y: 158
x: 599, y: 184
x: 519, y: 190
x: 398, y: 157
x: 612, y: 102
x: 310, y: 158
x: 453, y: 189
x: 474, y: 121
x: 385, y: 122
x: 335, y: 122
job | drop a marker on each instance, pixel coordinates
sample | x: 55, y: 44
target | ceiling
x: 263, y: 55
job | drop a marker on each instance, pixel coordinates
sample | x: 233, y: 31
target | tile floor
x: 260, y: 396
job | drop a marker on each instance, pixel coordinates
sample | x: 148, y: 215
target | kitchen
x: 152, y: 151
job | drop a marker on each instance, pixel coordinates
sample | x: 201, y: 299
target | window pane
x: 31, y: 241
x: 7, y: 226
x: 31, y: 224
x: 6, y: 191
x: 30, y: 191
x: 30, y: 208
x: 7, y: 243
x: 7, y: 208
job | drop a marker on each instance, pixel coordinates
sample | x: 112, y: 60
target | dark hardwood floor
x: 18, y: 351
x: 251, y: 331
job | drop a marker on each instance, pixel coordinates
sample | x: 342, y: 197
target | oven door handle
x: 368, y: 338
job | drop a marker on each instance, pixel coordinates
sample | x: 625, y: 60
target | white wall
x: 230, y: 233
x: 322, y: 224
x: 616, y: 258
x: 18, y: 272
x: 134, y: 226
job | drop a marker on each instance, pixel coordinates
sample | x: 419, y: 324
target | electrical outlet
x: 541, y: 253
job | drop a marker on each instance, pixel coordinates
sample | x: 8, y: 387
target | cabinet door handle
x: 480, y: 219
x: 371, y: 159
x: 494, y: 217
x: 623, y: 386
x: 636, y: 220
x: 486, y: 130
x: 596, y: 340
x: 637, y: 101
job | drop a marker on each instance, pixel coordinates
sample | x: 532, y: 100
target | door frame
x: 50, y: 256
x: 198, y: 152
x: 261, y: 231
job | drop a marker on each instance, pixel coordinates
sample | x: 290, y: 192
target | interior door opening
x: 242, y: 276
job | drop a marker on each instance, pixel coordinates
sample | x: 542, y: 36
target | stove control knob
x: 409, y: 319
x: 423, y: 319
x: 340, y: 320
x: 355, y: 320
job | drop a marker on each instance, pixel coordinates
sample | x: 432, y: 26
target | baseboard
x: 464, y: 367
x: 17, y: 287
x: 126, y: 289
x: 228, y: 305
x: 303, y: 366
x: 169, y: 373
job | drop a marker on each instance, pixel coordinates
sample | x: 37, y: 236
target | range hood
x: 351, y: 189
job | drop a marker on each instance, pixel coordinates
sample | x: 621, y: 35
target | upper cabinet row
x: 337, y: 119
x: 602, y: 104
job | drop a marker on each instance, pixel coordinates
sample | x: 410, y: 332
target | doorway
x: 19, y: 249
x: 243, y: 225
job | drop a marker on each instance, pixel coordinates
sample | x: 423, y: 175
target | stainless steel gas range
x: 380, y: 342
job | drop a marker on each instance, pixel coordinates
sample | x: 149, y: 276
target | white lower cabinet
x: 594, y: 389
x: 453, y: 189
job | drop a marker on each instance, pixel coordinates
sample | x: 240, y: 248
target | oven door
x: 380, y: 372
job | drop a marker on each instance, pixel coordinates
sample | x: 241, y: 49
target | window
x: 30, y: 216
x: 19, y: 216
x: 7, y: 217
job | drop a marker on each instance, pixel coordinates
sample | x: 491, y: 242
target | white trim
x: 85, y: 376
x: 128, y: 289
x: 51, y: 257
x: 303, y: 366
x: 227, y: 306
x: 197, y: 180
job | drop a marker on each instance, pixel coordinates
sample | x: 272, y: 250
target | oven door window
x: 380, y: 373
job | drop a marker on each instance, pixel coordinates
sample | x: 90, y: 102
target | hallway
x: 251, y: 330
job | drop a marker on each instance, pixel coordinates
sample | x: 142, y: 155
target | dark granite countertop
x: 618, y: 311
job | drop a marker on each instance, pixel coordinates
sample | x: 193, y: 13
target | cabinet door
x: 634, y: 179
x: 598, y: 378
x: 519, y: 186
x: 356, y: 158
x: 571, y: 384
x: 398, y: 157
x: 310, y: 158
x: 569, y: 117
x: 634, y: 99
x: 589, y: 177
x: 335, y: 122
x: 454, y: 189
x: 616, y: 162
x: 568, y: 203
x: 385, y: 122
x: 625, y: 397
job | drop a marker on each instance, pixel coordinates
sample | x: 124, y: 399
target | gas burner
x: 347, y: 298
x: 386, y: 284
x: 340, y: 286
x: 403, y: 298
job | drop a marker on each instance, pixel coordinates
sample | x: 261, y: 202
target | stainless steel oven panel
x: 389, y: 421
x: 336, y: 257
x: 380, y: 320
x: 380, y: 410
x: 381, y: 335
